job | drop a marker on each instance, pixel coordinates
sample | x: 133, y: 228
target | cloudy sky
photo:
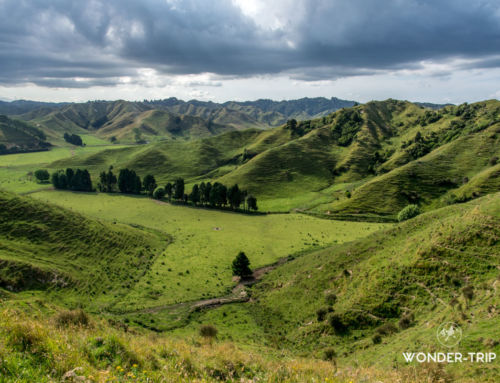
x: 420, y: 50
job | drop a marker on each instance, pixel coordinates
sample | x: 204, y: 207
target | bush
x: 493, y: 160
x: 42, y: 175
x: 387, y: 329
x: 321, y: 313
x: 336, y: 321
x: 330, y: 298
x: 406, y: 321
x: 73, y: 317
x: 159, y: 193
x: 468, y: 292
x: 208, y: 331
x: 377, y: 339
x: 329, y: 354
x: 408, y: 212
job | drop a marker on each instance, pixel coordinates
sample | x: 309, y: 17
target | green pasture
x: 197, y: 264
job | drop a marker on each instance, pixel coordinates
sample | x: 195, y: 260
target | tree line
x: 129, y: 182
x: 77, y: 180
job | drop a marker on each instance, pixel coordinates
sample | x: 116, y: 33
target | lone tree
x: 241, y: 265
x: 42, y: 175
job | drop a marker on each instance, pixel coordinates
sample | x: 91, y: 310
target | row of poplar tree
x: 204, y: 194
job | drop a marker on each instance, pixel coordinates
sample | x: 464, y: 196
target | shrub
x: 493, y: 160
x: 42, y: 175
x: 330, y: 298
x: 468, y: 292
x: 208, y: 331
x: 321, y: 313
x: 406, y: 321
x: 387, y: 329
x: 73, y: 317
x: 408, y: 212
x: 336, y: 321
x: 159, y: 193
x: 329, y: 354
x: 377, y: 339
x: 348, y: 194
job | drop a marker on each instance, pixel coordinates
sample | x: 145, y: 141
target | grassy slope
x: 45, y: 247
x: 417, y: 267
x: 21, y: 134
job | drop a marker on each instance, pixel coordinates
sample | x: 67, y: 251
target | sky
x: 419, y: 50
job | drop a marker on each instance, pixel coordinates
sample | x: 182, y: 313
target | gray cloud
x: 52, y: 42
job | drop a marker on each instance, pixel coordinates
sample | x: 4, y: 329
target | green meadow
x: 197, y: 264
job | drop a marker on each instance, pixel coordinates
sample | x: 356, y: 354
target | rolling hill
x: 82, y: 261
x: 368, y: 160
x: 164, y: 119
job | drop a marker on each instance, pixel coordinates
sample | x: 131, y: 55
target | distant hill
x: 259, y: 113
x: 24, y: 106
x: 18, y: 136
x: 164, y: 119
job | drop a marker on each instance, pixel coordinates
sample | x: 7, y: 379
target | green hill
x: 385, y: 154
x: 400, y: 284
x: 76, y: 259
x: 18, y: 136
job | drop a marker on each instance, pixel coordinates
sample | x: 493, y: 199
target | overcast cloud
x: 164, y: 46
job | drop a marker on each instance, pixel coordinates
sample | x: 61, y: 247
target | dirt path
x: 238, y: 293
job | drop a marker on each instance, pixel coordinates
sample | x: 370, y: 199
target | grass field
x: 15, y: 169
x: 196, y: 264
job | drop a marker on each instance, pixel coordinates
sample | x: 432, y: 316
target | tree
x: 241, y: 265
x: 195, y: 194
x: 202, y: 192
x: 252, y: 203
x: 179, y: 189
x: 149, y: 184
x: 129, y: 182
x: 208, y: 189
x: 59, y: 180
x: 73, y: 139
x: 42, y: 175
x: 169, y: 190
x: 234, y: 196
x: 159, y: 193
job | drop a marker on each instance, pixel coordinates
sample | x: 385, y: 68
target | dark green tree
x: 252, y: 203
x: 42, y: 175
x: 241, y: 265
x: 179, y: 189
x: 202, y: 192
x: 194, y: 197
x: 159, y: 193
x: 169, y: 188
x: 149, y: 184
x: 234, y: 196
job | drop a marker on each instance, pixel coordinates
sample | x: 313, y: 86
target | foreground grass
x: 36, y: 347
